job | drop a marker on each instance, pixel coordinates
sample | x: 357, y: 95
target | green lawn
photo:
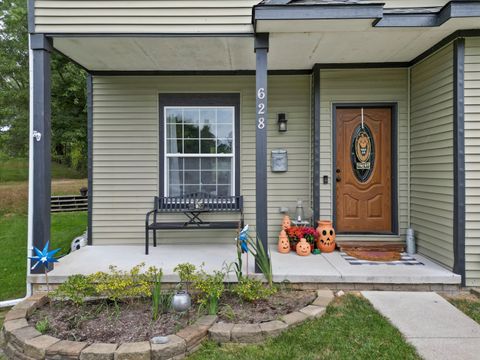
x: 13, y: 241
x: 351, y: 329
x: 13, y: 169
x: 471, y: 307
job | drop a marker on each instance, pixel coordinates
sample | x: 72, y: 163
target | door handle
x: 339, y: 178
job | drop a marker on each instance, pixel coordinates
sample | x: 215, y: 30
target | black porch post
x: 261, y: 220
x: 40, y: 93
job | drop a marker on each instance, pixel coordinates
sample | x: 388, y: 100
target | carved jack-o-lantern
x: 303, y: 248
x: 286, y: 222
x: 283, y: 243
x: 326, y: 236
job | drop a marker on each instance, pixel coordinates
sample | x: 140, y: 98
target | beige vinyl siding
x: 432, y: 155
x: 126, y: 148
x: 143, y: 16
x: 363, y: 86
x: 472, y: 160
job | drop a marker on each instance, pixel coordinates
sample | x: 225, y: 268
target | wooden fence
x: 66, y: 203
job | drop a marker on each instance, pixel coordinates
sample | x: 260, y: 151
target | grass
x: 351, y: 329
x: 15, y: 169
x: 13, y: 240
x: 470, y: 306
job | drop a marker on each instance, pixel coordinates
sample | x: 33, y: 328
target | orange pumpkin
x: 326, y: 236
x: 286, y: 222
x: 303, y: 248
x: 283, y: 243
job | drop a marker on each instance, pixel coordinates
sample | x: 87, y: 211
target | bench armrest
x: 147, y: 217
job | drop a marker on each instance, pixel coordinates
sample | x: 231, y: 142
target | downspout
x: 409, y: 87
x: 28, y: 291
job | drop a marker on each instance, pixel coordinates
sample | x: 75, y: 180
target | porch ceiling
x: 328, y: 41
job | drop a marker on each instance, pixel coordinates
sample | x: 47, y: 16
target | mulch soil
x: 99, y: 321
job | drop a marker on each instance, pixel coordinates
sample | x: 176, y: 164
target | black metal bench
x: 192, y: 206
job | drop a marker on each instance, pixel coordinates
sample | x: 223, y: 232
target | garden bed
x: 99, y: 321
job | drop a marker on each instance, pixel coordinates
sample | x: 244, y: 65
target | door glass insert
x: 362, y: 153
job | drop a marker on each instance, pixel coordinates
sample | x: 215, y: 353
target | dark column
x: 316, y: 144
x: 41, y: 112
x: 261, y: 53
x: 459, y: 158
x: 90, y: 154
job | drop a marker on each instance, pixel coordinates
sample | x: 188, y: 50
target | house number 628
x: 261, y: 108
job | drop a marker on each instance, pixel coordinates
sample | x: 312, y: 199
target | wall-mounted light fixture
x: 282, y: 122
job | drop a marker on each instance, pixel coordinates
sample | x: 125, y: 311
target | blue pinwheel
x: 44, y: 257
x: 243, y: 239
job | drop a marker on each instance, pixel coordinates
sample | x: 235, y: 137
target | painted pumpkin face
x: 303, y: 248
x: 286, y: 223
x: 326, y: 236
x: 283, y: 243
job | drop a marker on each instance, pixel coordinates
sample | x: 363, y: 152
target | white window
x: 199, y: 150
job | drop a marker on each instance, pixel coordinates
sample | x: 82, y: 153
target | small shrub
x: 250, y: 289
x: 42, y: 326
x: 186, y: 272
x: 210, y: 288
x: 119, y: 285
x: 76, y: 289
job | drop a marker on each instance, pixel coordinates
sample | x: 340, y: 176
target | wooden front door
x: 364, y: 170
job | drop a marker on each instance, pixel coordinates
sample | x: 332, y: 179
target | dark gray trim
x: 459, y: 158
x: 199, y: 72
x: 142, y: 35
x: 316, y: 143
x: 41, y: 42
x: 31, y: 16
x: 199, y: 99
x: 261, y: 125
x: 90, y: 155
x: 394, y: 144
x: 316, y: 12
x: 41, y: 147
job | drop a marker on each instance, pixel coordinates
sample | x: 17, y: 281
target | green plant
x: 210, y: 288
x: 75, y: 289
x: 156, y: 276
x: 120, y: 285
x: 250, y: 289
x: 226, y: 311
x: 42, y: 326
x: 186, y: 272
x: 262, y: 258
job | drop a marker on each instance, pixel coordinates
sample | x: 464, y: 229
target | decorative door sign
x: 362, y: 152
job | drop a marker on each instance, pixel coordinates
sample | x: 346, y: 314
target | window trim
x: 199, y: 100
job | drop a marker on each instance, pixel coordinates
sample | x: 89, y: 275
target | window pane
x: 224, y: 190
x: 175, y: 177
x: 209, y: 177
x: 190, y: 131
x: 224, y: 177
x: 191, y: 146
x: 208, y: 132
x: 207, y: 116
x: 175, y: 190
x: 208, y: 147
x: 175, y: 163
x: 192, y: 177
x: 225, y: 116
x: 174, y: 131
x: 174, y: 115
x: 209, y: 163
x: 224, y: 146
x: 209, y: 189
x: 224, y: 131
x: 225, y: 164
x: 174, y: 146
x: 191, y: 189
x: 191, y: 116
x: 192, y: 163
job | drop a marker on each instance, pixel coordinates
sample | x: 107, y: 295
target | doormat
x: 375, y: 255
x: 405, y: 259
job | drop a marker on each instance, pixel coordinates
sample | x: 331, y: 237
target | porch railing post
x: 40, y: 140
x: 261, y: 220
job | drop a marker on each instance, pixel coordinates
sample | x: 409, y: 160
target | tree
x: 69, y: 125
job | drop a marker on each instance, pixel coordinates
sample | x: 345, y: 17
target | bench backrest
x: 198, y: 201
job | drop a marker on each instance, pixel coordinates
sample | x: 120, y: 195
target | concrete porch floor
x: 325, y: 268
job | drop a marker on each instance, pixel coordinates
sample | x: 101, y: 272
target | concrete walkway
x: 437, y: 329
